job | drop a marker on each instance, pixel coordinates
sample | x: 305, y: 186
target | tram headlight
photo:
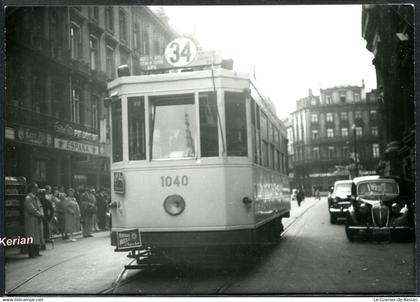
x: 174, y: 205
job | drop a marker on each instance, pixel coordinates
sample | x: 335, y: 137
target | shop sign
x: 119, y: 182
x: 35, y: 137
x: 68, y: 145
x: 67, y: 129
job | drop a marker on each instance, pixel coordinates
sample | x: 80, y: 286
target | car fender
x: 352, y: 215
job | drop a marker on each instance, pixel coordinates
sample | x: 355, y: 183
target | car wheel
x: 349, y: 232
x: 333, y: 218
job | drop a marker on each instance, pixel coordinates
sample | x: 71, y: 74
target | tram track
x: 41, y: 272
x: 224, y: 284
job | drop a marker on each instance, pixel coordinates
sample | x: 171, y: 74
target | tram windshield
x: 173, y: 126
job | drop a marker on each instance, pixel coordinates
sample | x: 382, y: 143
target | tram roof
x: 115, y: 85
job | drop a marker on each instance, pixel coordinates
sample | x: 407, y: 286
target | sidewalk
x: 297, y: 211
x: 86, y: 266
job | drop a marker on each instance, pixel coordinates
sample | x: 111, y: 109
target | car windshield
x: 343, y: 188
x: 377, y: 187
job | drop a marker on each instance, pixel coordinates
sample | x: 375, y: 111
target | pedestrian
x: 33, y: 215
x: 92, y: 196
x: 72, y: 214
x: 87, y: 210
x: 56, y: 205
x: 101, y: 200
x: 317, y: 194
x: 300, y: 196
x: 61, y: 217
x: 48, y: 216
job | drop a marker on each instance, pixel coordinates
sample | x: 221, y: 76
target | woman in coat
x: 72, y: 214
x: 34, y: 215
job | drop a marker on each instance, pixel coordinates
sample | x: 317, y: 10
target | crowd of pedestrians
x: 53, y: 211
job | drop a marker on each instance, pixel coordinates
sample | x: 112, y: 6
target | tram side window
x: 173, y: 126
x: 208, y: 124
x: 136, y: 129
x: 257, y: 147
x: 117, y: 149
x: 235, y: 114
x: 264, y: 138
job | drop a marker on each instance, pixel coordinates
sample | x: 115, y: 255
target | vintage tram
x: 199, y: 159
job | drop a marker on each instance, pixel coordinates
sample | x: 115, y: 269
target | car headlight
x: 174, y: 205
x: 336, y: 200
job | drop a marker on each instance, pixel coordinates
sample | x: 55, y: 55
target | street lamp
x: 355, y: 151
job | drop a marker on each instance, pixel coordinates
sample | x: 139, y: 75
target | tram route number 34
x: 180, y: 52
x: 169, y: 181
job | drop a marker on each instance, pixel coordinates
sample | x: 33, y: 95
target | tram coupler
x: 144, y: 259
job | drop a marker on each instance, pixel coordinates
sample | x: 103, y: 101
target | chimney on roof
x: 310, y: 92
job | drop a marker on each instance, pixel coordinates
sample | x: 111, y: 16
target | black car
x: 339, y: 200
x: 378, y: 207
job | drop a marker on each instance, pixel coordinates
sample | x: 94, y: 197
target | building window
x: 330, y: 132
x: 94, y: 111
x: 109, y: 18
x: 342, y: 98
x: 313, y: 102
x: 359, y: 131
x: 136, y: 129
x: 344, y: 132
x: 315, y: 153
x: 55, y: 35
x: 208, y: 124
x: 344, y: 116
x: 314, y: 118
x: 123, y: 26
x: 357, y: 114
x: 124, y: 58
x: 345, y: 153
x: 357, y: 97
x: 329, y: 117
x: 110, y: 63
x: 375, y: 150
x: 57, y: 94
x: 315, y: 134
x: 145, y: 43
x: 264, y: 139
x: 94, y: 53
x: 75, y: 106
x: 373, y: 115
x: 236, y: 134
x: 136, y: 36
x: 374, y: 131
x: 328, y: 99
x: 75, y: 42
x: 331, y: 152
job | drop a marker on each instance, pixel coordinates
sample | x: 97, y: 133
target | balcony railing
x: 20, y: 116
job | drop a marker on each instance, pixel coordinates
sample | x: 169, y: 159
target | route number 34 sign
x: 180, y: 52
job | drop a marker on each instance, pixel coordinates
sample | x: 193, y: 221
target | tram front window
x: 173, y: 126
x: 136, y: 129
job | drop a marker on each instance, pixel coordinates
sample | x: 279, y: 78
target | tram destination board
x: 128, y: 239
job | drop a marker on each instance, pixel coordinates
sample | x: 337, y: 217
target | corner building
x: 389, y: 33
x: 322, y: 135
x: 59, y: 60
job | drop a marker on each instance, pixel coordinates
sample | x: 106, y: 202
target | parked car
x: 339, y: 200
x: 379, y: 208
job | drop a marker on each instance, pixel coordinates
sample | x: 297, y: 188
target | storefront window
x: 173, y: 126
x: 235, y: 114
x: 208, y: 125
x: 136, y: 129
x: 117, y: 154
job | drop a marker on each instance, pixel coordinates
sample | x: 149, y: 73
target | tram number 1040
x: 168, y: 181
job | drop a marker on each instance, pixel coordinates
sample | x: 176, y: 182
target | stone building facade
x: 333, y: 136
x: 389, y: 33
x: 59, y: 60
